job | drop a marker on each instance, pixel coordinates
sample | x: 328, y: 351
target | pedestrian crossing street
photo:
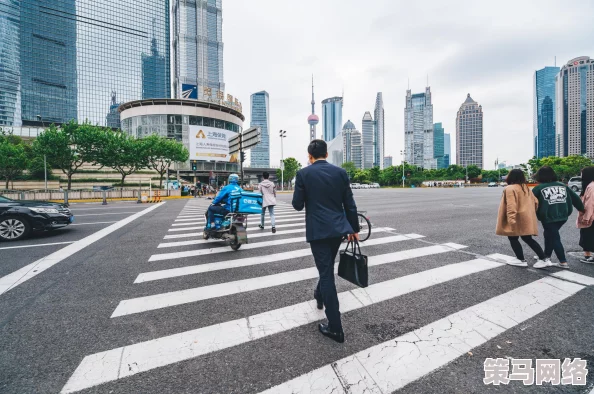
x: 383, y: 368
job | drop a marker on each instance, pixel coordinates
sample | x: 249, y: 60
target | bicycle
x: 364, y: 226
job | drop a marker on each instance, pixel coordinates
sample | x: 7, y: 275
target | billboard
x: 189, y: 91
x: 209, y: 143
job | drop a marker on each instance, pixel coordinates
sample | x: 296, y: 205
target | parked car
x: 503, y: 184
x: 19, y: 218
x: 375, y: 185
x: 492, y: 184
x: 575, y: 184
x: 365, y: 186
x: 355, y: 186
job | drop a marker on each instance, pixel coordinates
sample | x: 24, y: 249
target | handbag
x: 353, y: 265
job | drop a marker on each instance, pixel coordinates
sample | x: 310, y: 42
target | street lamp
x: 403, y: 152
x: 44, y: 156
x: 282, y: 134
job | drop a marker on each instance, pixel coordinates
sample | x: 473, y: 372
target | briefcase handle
x: 356, y: 245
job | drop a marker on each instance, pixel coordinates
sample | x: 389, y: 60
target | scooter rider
x: 223, y: 197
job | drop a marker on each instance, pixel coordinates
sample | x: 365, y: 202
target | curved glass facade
x: 171, y: 126
x: 544, y: 111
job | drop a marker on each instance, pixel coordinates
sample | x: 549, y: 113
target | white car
x: 375, y: 185
x: 355, y: 186
x: 365, y: 186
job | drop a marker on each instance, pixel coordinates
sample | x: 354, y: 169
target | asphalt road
x: 150, y: 308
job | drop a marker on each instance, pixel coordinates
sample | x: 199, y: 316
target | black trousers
x: 324, y: 253
x: 553, y: 240
x: 517, y: 247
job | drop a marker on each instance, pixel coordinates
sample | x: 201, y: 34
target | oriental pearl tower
x: 313, y: 119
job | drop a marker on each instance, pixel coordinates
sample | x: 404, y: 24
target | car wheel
x: 13, y: 228
x: 575, y: 188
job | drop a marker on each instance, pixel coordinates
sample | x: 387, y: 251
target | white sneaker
x: 543, y: 263
x: 517, y: 263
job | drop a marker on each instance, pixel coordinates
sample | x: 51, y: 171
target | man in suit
x: 330, y: 213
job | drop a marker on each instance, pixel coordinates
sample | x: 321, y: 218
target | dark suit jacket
x: 330, y: 210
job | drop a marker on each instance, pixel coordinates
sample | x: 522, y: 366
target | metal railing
x: 84, y: 194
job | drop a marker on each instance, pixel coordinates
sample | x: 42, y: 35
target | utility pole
x: 241, y: 157
x: 282, y: 134
x: 402, y: 153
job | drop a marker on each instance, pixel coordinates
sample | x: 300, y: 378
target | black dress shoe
x: 337, y: 336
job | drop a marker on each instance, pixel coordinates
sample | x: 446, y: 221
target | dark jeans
x: 215, y: 209
x: 324, y: 253
x: 553, y: 240
x: 517, y: 247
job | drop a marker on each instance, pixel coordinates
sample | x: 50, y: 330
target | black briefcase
x: 353, y: 265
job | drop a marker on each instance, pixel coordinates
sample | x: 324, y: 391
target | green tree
x: 374, y: 174
x: 350, y: 168
x: 161, y: 152
x: 361, y: 176
x: 67, y: 147
x: 291, y: 166
x: 123, y: 153
x: 13, y: 160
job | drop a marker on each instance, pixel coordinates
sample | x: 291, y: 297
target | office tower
x: 260, y: 154
x: 367, y: 132
x: 544, y: 112
x: 438, y: 145
x: 113, y: 116
x: 469, y: 134
x: 357, y: 149
x: 575, y: 108
x: 153, y: 66
x: 347, y: 131
x: 73, y: 53
x: 197, y: 49
x: 447, y: 150
x: 313, y: 119
x: 336, y: 150
x: 418, y: 129
x: 378, y: 133
x: 10, y: 70
x: 387, y: 161
x: 331, y: 117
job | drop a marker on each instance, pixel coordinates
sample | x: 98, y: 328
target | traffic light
x: 242, y: 155
x: 194, y: 165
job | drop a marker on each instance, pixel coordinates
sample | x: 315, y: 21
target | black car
x: 19, y: 218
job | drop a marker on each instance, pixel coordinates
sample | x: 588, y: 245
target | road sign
x: 249, y: 138
x: 403, y: 178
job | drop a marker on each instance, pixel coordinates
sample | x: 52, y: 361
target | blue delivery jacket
x: 225, y: 194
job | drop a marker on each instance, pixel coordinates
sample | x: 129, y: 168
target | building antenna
x: 408, y: 84
x: 555, y: 61
x: 427, y: 79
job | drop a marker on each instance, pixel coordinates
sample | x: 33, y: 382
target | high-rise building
x: 575, y: 108
x: 387, y: 161
x: 447, y: 150
x: 544, y: 112
x: 438, y: 145
x: 113, y: 116
x: 347, y: 132
x: 260, y: 154
x: 418, y: 129
x: 10, y: 69
x: 331, y: 117
x: 73, y: 53
x: 469, y: 134
x: 357, y: 149
x: 197, y: 49
x: 336, y: 150
x: 313, y: 119
x: 367, y: 132
x: 378, y: 132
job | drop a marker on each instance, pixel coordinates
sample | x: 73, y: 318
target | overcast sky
x: 489, y: 49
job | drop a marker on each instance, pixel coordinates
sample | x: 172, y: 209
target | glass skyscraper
x: 378, y: 132
x: 575, y: 108
x: 73, y: 54
x: 438, y: 145
x: 197, y: 48
x: 544, y: 112
x: 418, y: 130
x: 367, y: 131
x: 447, y: 150
x: 331, y: 117
x: 260, y: 154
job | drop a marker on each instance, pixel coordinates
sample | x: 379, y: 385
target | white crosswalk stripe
x: 202, y: 220
x: 226, y: 249
x: 382, y: 368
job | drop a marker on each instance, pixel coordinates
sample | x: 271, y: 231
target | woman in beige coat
x: 517, y: 218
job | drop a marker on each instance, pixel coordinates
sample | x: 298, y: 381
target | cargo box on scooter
x: 246, y: 202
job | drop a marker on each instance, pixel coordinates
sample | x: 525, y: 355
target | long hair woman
x: 585, y: 218
x: 517, y: 219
